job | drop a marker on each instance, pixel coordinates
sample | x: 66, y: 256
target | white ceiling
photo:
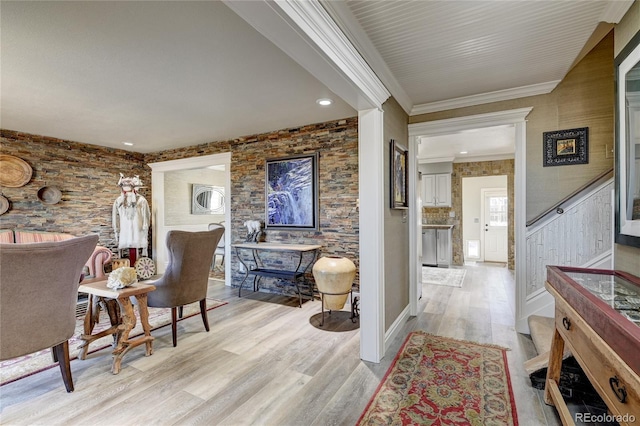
x: 158, y: 74
x: 178, y: 73
x: 469, y: 145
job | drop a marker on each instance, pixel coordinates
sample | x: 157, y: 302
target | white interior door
x: 496, y: 219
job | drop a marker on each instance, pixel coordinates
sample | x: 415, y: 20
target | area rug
x: 450, y: 277
x: 17, y: 368
x: 441, y: 381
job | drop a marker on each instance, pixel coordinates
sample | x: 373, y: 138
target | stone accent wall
x: 87, y: 175
x: 441, y: 214
x: 337, y: 145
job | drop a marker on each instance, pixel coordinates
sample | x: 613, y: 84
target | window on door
x: 498, y: 214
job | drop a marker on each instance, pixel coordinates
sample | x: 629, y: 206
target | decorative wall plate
x: 145, y: 268
x: 49, y: 194
x: 15, y: 171
x: 4, y: 204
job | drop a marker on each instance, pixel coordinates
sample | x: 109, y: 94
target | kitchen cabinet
x: 436, y: 245
x: 436, y: 190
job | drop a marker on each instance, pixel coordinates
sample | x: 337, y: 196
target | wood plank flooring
x: 266, y: 362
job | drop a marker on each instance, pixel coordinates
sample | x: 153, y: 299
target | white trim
x: 478, y: 121
x: 317, y: 24
x: 371, y: 195
x: 520, y: 227
x: 157, y: 195
x: 516, y: 117
x: 485, y: 98
x: 488, y: 157
x: 305, y: 31
x: 345, y: 19
x: 615, y: 10
x: 435, y: 160
x: 396, y: 328
x: 415, y: 221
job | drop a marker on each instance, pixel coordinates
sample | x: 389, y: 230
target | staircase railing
x: 558, y: 207
x: 581, y: 236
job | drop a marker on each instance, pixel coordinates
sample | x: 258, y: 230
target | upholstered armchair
x: 187, y: 276
x: 39, y: 288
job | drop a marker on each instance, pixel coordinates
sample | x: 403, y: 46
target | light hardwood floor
x: 265, y: 361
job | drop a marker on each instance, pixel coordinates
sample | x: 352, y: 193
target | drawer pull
x: 566, y: 323
x: 620, y: 391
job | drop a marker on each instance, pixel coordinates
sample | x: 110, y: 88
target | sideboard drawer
x: 612, y: 378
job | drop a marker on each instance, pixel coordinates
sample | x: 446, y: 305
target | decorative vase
x: 334, y: 274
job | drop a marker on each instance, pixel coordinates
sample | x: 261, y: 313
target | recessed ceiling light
x: 324, y: 102
x: 464, y: 152
x: 127, y: 143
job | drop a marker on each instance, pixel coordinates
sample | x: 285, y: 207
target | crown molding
x: 615, y: 10
x: 485, y: 98
x: 350, y: 26
x: 306, y: 32
x: 318, y: 25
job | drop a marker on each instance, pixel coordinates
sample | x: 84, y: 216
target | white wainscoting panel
x: 575, y: 238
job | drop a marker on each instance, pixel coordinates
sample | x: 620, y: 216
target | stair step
x: 541, y: 329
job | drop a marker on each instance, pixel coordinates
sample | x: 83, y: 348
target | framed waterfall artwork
x: 398, y: 176
x: 291, y: 192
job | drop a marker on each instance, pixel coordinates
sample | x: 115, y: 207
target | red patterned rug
x: 17, y: 368
x: 441, y: 381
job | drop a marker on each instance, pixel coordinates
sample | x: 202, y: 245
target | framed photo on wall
x: 398, y: 174
x: 565, y: 147
x: 291, y: 192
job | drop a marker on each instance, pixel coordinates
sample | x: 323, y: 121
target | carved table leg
x: 90, y: 318
x: 128, y: 322
x: 144, y: 320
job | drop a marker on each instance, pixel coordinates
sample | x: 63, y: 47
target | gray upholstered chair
x: 220, y: 247
x: 39, y: 288
x: 187, y: 276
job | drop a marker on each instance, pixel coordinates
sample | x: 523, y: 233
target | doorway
x: 163, y: 197
x: 495, y: 220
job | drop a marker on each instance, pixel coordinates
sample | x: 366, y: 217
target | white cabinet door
x: 443, y: 190
x: 444, y: 247
x: 429, y: 190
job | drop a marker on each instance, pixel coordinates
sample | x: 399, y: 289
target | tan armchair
x: 39, y: 288
x: 187, y: 277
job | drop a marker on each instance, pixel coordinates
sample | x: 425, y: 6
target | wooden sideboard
x: 597, y: 316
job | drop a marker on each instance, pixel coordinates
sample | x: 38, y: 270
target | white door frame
x: 157, y: 196
x: 515, y: 117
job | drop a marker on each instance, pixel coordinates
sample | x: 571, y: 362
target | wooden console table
x: 258, y: 269
x: 122, y: 318
x: 598, y: 318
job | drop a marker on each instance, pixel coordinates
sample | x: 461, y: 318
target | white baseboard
x: 395, y: 328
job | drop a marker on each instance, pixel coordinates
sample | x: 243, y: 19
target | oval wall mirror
x: 207, y: 199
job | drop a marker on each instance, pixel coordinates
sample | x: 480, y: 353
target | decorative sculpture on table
x: 131, y: 216
x: 254, y: 229
x: 122, y: 277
